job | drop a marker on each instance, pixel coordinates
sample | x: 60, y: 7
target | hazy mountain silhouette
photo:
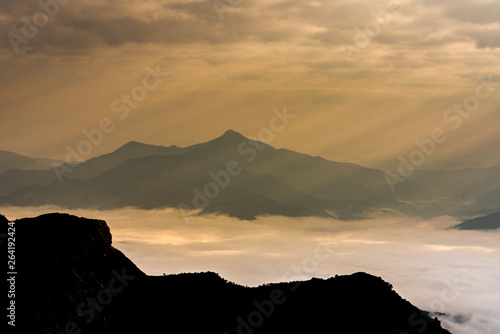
x: 17, y: 179
x: 96, y: 166
x: 433, y: 165
x: 262, y: 187
x: 10, y: 160
x: 271, y: 181
x: 159, y: 181
x: 489, y: 222
x: 462, y: 192
x: 70, y: 278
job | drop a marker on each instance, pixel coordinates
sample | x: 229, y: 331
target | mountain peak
x: 135, y: 146
x: 233, y: 134
x: 230, y: 136
x: 133, y: 143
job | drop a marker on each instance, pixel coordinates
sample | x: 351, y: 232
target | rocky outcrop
x: 72, y: 280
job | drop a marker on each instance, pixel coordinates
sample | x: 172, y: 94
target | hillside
x: 263, y: 181
x: 71, y: 278
x: 239, y: 177
x: 489, y: 222
x: 11, y: 160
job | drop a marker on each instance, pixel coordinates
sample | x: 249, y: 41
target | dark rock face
x: 489, y: 222
x: 71, y: 280
x: 61, y: 260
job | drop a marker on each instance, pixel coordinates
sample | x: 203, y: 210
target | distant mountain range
x: 436, y: 165
x: 489, y: 222
x: 71, y: 280
x: 10, y: 160
x: 239, y: 177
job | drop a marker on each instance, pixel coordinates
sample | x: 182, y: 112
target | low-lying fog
x: 437, y: 269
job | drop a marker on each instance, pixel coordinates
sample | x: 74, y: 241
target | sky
x: 365, y: 79
x: 453, y: 272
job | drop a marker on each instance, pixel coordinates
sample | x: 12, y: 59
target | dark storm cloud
x: 95, y: 24
x: 173, y: 23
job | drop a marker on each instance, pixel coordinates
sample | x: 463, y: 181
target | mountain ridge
x: 10, y: 160
x: 482, y: 223
x: 68, y: 263
x: 304, y: 185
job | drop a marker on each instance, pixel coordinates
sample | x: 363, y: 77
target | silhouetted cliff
x: 71, y: 280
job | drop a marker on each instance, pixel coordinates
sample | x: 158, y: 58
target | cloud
x: 479, y: 12
x: 437, y: 269
x: 263, y: 55
x: 90, y: 25
x: 485, y: 37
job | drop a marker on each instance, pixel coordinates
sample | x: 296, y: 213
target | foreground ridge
x: 71, y: 280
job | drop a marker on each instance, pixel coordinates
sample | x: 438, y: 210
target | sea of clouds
x: 438, y: 269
